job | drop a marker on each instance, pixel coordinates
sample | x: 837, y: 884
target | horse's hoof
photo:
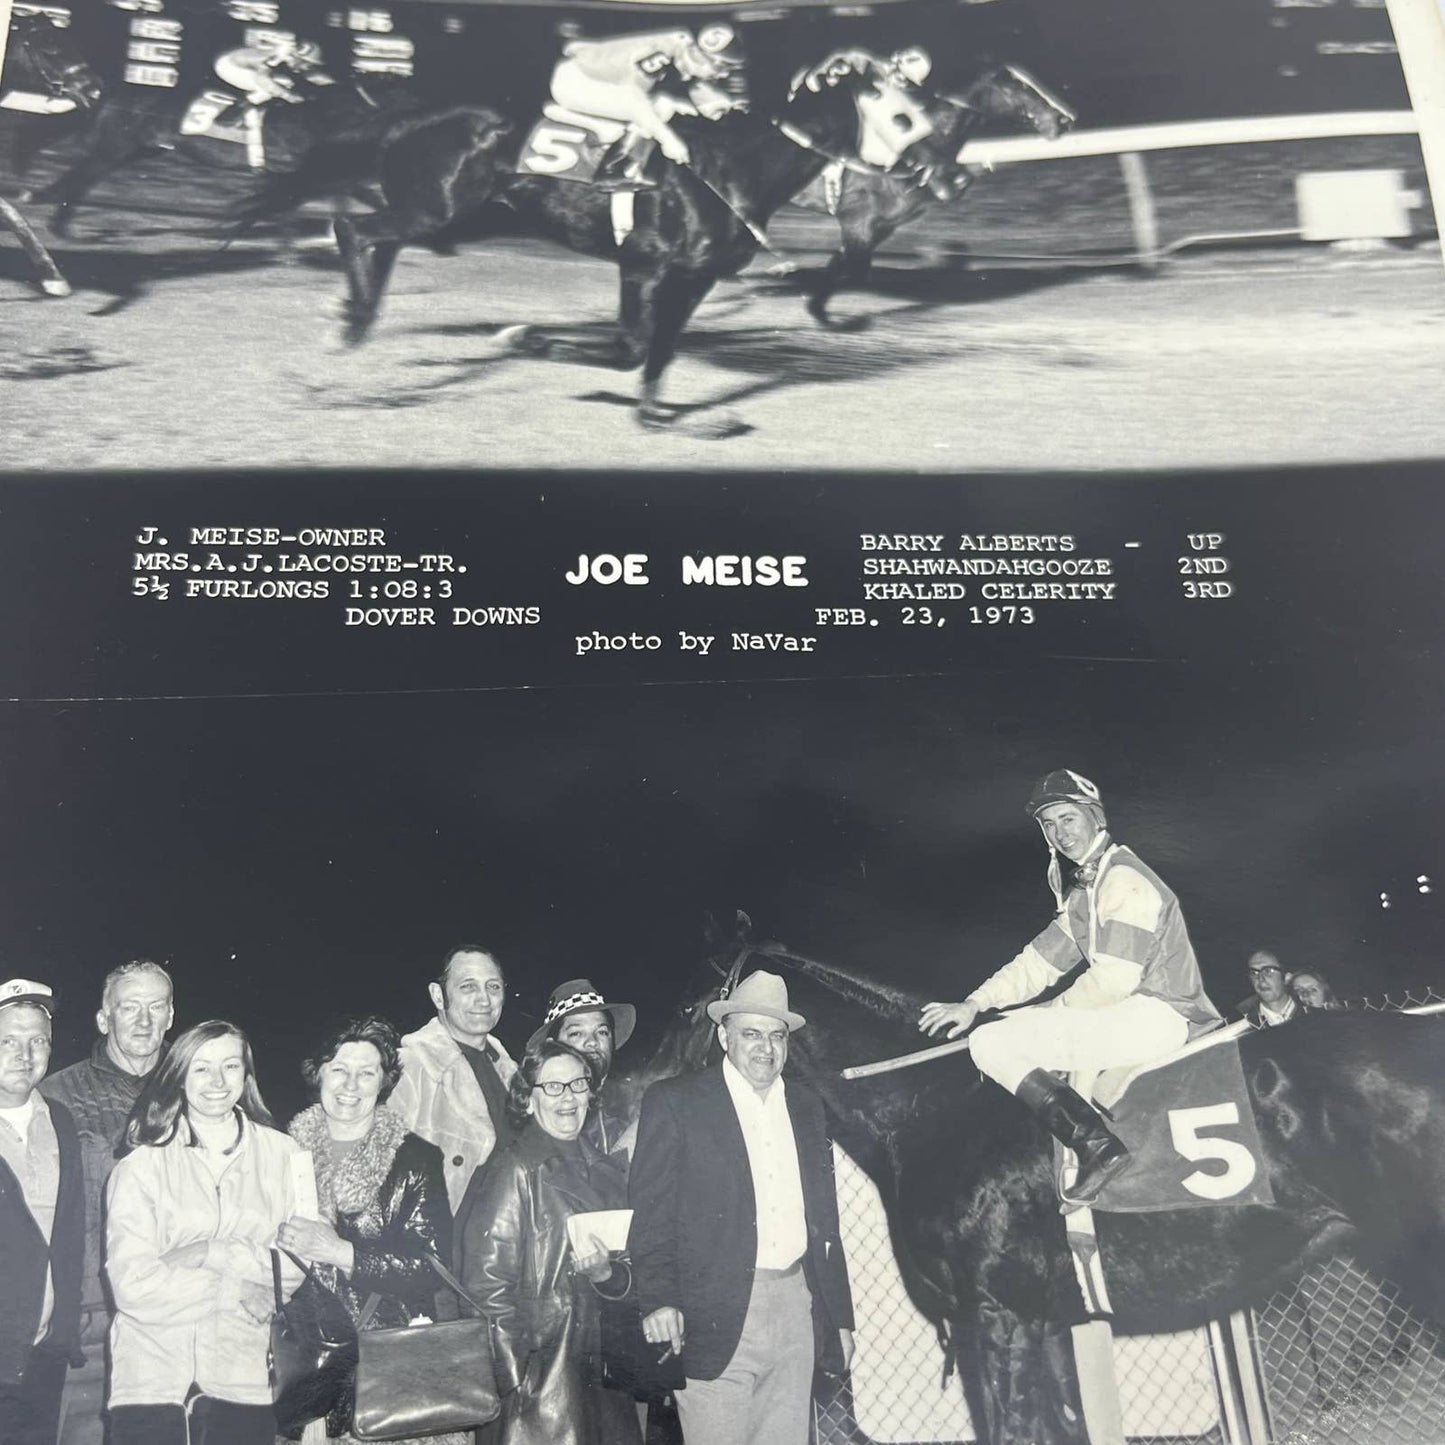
x: 59, y: 287
x: 782, y: 268
x: 703, y: 426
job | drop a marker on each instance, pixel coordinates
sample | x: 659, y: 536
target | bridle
x: 60, y: 81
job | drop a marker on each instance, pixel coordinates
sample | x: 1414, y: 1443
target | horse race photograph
x: 1103, y: 981
x: 944, y: 236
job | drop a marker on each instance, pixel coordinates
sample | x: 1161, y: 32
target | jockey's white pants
x: 574, y: 88
x: 1077, y: 1040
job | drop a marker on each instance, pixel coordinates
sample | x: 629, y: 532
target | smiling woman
x: 382, y: 1207
x: 191, y: 1216
x: 541, y: 1298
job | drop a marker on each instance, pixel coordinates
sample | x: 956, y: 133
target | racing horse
x: 870, y: 206
x: 49, y: 83
x: 695, y: 225
x: 1351, y: 1115
x: 127, y: 128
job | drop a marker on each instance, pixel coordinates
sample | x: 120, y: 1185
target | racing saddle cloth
x: 1189, y: 1123
x: 32, y: 102
x: 568, y: 145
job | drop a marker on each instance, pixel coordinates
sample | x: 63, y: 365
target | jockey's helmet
x: 719, y: 43
x: 914, y: 64
x: 296, y: 54
x: 1064, y: 785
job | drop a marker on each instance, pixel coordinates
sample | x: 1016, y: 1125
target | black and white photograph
x: 958, y: 964
x: 916, y: 235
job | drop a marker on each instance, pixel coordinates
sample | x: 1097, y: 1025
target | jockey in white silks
x: 265, y: 71
x: 1139, y: 997
x: 617, y: 78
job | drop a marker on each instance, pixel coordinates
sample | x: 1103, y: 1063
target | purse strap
x: 300, y: 1264
x: 373, y: 1301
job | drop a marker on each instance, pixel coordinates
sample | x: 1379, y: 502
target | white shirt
x: 773, y: 1160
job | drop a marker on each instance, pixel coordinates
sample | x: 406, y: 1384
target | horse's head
x: 855, y: 108
x: 48, y: 57
x: 1011, y: 93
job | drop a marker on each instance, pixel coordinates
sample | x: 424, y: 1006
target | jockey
x: 265, y: 71
x: 617, y: 78
x: 1138, y: 998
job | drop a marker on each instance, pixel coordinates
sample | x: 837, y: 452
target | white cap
x: 26, y: 990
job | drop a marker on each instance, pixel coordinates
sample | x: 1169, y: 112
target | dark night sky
x: 296, y: 857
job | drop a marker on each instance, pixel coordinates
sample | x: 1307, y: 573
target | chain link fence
x: 1345, y: 1363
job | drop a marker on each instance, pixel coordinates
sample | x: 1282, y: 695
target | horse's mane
x: 895, y: 1004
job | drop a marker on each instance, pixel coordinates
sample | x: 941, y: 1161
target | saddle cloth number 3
x: 1186, y: 1132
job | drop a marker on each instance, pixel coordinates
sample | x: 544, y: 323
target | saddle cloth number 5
x: 1186, y: 1132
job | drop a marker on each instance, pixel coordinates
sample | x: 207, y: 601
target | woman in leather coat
x: 515, y: 1260
x: 381, y: 1193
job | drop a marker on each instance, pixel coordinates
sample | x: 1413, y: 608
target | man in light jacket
x: 454, y: 1072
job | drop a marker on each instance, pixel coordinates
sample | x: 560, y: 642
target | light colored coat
x: 440, y: 1099
x: 176, y: 1324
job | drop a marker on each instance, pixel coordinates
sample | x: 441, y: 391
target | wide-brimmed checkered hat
x: 578, y: 996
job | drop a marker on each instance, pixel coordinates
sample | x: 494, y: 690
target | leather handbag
x: 424, y: 1379
x: 312, y: 1354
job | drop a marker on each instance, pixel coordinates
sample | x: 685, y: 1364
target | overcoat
x: 515, y: 1261
x: 694, y: 1236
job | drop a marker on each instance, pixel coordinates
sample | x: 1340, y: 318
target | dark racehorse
x: 127, y: 128
x: 698, y: 224
x: 44, y: 62
x: 869, y: 208
x: 1351, y: 1113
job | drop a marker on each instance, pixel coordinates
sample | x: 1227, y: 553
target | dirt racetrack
x: 172, y: 354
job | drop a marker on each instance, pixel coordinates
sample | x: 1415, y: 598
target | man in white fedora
x: 734, y: 1241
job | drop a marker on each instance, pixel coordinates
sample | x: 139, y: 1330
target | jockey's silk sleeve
x: 1030, y: 972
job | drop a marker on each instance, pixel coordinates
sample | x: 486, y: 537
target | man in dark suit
x: 42, y: 1224
x: 734, y: 1239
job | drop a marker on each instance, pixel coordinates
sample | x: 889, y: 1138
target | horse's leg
x: 1018, y: 1377
x: 51, y: 281
x: 676, y: 296
x: 72, y: 186
x: 867, y: 217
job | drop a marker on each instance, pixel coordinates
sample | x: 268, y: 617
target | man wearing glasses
x: 1272, y: 1002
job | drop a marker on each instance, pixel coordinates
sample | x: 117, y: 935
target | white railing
x: 1131, y: 143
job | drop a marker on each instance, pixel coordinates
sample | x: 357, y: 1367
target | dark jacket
x: 26, y: 1255
x: 515, y: 1261
x: 415, y: 1221
x: 1251, y: 1011
x: 694, y: 1237
x: 100, y: 1098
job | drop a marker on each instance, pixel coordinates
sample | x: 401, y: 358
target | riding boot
x: 1077, y: 1125
x: 623, y: 165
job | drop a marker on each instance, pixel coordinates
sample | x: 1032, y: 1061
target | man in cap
x: 734, y: 1241
x: 42, y: 1223
x: 454, y: 1072
x: 1272, y: 1000
x: 1138, y: 998
x: 99, y: 1091
x: 577, y: 1014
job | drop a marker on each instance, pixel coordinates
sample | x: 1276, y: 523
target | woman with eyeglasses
x: 540, y: 1298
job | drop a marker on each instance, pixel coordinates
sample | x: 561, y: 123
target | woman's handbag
x: 424, y: 1379
x: 312, y: 1354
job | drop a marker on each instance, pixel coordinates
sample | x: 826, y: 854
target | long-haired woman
x: 192, y: 1213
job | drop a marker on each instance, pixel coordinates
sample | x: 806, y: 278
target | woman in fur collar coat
x: 381, y: 1193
